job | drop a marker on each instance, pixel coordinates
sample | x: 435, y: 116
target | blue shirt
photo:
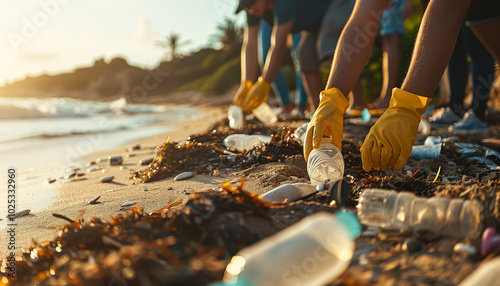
x: 306, y: 14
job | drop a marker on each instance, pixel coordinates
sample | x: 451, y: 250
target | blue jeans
x: 483, y: 73
x: 280, y: 84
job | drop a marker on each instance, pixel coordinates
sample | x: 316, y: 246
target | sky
x: 53, y: 36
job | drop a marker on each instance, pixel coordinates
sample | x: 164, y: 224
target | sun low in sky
x: 52, y: 36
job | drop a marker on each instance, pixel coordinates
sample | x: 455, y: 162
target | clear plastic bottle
x: 312, y: 252
x: 235, y: 116
x: 300, y: 133
x: 245, y: 142
x: 325, y: 164
x: 265, y: 114
x: 406, y: 212
x: 289, y: 192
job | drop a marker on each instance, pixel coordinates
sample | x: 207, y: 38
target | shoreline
x: 71, y: 196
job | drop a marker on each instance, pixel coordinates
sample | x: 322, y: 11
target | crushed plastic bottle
x: 406, y: 212
x: 312, y: 252
x: 265, y: 114
x: 300, y: 133
x: 325, y: 164
x: 245, y: 142
x: 235, y: 116
x: 424, y: 127
x: 289, y: 192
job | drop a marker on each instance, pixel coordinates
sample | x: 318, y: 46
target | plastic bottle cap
x: 351, y: 222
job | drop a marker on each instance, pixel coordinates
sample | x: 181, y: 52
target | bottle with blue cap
x: 314, y: 251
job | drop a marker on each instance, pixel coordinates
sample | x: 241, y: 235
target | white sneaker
x: 469, y: 124
x: 445, y: 116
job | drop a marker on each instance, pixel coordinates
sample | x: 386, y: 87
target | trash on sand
x: 272, y: 261
x: 406, y: 212
x: 107, y: 179
x: 94, y: 200
x: 426, y: 151
x: 243, y: 142
x: 466, y: 249
x: 184, y: 176
x: 300, y: 133
x: 325, y: 164
x: 365, y: 115
x: 92, y: 169
x: 129, y: 204
x: 289, y: 193
x: 490, y: 241
x: 115, y: 160
x: 424, y: 127
x: 265, y: 114
x: 146, y: 161
x: 19, y: 214
x: 235, y: 116
x: 485, y: 274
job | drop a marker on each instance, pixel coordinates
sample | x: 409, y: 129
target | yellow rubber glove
x: 242, y: 92
x: 390, y: 140
x: 328, y: 119
x: 257, y: 95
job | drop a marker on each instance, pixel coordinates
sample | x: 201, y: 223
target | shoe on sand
x: 445, y: 116
x: 469, y: 124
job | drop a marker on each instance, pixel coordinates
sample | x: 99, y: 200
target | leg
x: 458, y: 75
x: 390, y: 66
x: 310, y: 64
x: 488, y: 34
x: 434, y: 45
x: 483, y: 73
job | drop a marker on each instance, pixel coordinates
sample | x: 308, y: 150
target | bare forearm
x: 274, y: 61
x: 434, y: 45
x: 355, y: 44
x: 249, y: 57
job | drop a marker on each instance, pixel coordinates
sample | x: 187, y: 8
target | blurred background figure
x: 280, y: 84
x: 391, y: 28
x: 483, y: 72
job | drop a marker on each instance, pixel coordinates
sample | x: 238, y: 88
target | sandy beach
x: 71, y: 195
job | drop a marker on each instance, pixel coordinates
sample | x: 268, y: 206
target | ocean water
x: 41, y: 138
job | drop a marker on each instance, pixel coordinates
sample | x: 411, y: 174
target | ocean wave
x: 31, y: 108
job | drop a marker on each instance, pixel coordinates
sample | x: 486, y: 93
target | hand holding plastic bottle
x: 242, y: 92
x: 328, y: 120
x: 256, y: 95
x: 390, y: 140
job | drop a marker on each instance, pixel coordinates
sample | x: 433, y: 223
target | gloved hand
x: 390, y: 140
x: 257, y: 95
x: 242, y: 92
x: 328, y: 119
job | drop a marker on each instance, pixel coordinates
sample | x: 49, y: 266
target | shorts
x: 392, y: 20
x: 316, y: 46
x: 482, y: 12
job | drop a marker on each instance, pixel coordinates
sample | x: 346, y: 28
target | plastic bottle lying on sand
x: 485, y: 274
x: 311, y: 252
x: 300, y: 133
x: 325, y: 164
x: 289, y: 192
x: 265, y: 114
x: 235, y: 116
x: 245, y: 142
x: 406, y: 212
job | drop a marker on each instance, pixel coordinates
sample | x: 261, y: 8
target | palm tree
x: 172, y: 43
x: 228, y: 33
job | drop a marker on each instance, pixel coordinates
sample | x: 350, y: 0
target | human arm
x: 390, y: 140
x: 260, y: 90
x: 249, y: 63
